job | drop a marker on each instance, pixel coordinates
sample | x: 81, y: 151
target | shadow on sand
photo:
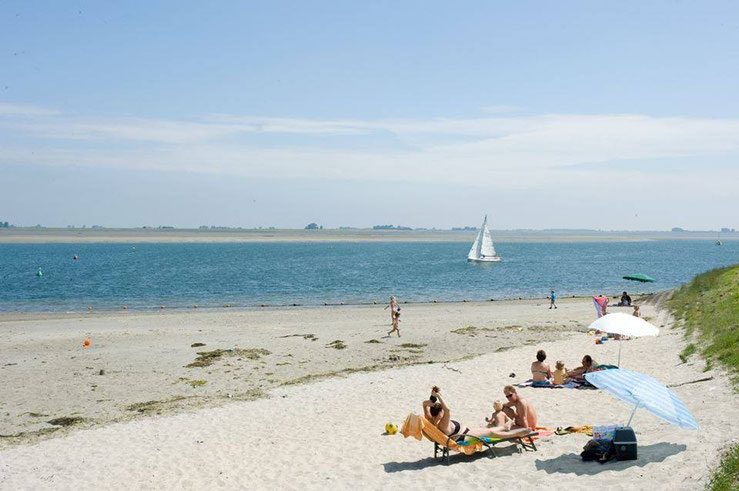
x: 417, y: 465
x: 571, y: 463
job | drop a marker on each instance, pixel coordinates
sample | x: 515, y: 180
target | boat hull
x: 484, y: 260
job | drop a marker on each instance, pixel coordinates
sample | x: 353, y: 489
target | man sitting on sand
x: 625, y: 300
x: 520, y: 410
x: 578, y: 374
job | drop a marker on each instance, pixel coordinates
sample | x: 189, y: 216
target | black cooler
x: 624, y: 440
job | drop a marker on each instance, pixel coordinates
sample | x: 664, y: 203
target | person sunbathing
x: 540, y: 371
x: 578, y: 374
x: 437, y: 412
x: 499, y: 418
x: 520, y: 410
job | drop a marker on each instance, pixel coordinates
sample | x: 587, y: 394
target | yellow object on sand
x: 391, y: 429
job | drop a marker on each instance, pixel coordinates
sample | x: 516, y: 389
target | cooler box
x: 624, y: 440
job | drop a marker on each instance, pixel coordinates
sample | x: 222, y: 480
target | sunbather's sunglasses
x: 509, y: 395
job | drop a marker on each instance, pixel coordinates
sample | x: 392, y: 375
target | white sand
x: 329, y: 433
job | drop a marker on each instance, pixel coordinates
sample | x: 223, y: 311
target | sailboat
x: 483, y: 250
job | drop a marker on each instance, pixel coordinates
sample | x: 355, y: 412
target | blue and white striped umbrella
x: 643, y: 391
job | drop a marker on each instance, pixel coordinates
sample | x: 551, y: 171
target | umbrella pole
x: 619, y: 351
x: 632, y: 414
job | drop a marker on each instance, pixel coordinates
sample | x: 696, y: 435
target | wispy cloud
x: 7, y: 109
x: 498, y: 150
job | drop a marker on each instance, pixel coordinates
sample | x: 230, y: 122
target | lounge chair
x: 418, y: 425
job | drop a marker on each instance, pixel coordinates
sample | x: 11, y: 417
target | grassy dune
x: 708, y: 308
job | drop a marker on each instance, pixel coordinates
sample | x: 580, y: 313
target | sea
x: 248, y: 275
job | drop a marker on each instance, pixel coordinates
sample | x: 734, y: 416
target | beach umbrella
x: 645, y: 392
x: 625, y: 325
x: 639, y: 277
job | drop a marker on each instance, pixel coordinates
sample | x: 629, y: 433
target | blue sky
x: 348, y: 113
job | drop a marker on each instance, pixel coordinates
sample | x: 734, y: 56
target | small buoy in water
x: 39, y: 272
x: 75, y: 257
x: 86, y: 343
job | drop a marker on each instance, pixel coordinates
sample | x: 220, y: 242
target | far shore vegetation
x: 708, y: 308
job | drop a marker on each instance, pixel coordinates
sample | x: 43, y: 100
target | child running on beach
x: 396, y: 323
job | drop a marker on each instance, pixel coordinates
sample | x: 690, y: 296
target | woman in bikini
x: 541, y: 373
x: 438, y: 413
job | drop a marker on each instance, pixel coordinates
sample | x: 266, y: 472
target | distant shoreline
x: 32, y: 235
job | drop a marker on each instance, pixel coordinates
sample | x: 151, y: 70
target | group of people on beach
x: 601, y: 304
x: 516, y: 413
x: 543, y: 376
x: 513, y: 413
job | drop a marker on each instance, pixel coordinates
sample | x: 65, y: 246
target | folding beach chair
x: 443, y: 444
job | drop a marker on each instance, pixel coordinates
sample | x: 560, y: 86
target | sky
x: 604, y: 115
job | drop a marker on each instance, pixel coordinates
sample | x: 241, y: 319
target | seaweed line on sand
x: 207, y: 358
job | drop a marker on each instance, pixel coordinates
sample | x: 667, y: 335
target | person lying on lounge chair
x: 438, y: 413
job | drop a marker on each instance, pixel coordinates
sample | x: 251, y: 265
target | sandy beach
x: 33, y: 235
x: 309, y: 391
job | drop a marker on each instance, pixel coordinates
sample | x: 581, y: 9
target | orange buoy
x: 86, y: 343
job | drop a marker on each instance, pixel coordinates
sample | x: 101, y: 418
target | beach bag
x: 599, y: 450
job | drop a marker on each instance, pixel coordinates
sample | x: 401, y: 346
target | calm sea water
x: 108, y: 276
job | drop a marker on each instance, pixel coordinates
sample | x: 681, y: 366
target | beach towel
x: 599, y: 306
x: 416, y: 426
x: 584, y: 429
x: 568, y: 385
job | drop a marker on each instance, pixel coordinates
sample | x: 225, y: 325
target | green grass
x: 689, y: 350
x: 708, y: 308
x: 726, y: 477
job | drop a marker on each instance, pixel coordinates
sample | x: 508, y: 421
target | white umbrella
x: 625, y: 325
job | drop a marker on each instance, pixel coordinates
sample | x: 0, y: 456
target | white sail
x: 487, y: 249
x: 483, y: 249
x: 475, y: 250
